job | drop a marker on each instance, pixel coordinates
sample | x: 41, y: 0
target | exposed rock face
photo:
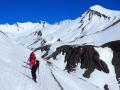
x: 39, y: 33
x: 93, y: 12
x: 62, y: 49
x: 86, y: 55
x: 44, y: 48
x: 72, y: 57
x: 90, y: 60
x: 115, y: 46
x: 106, y: 87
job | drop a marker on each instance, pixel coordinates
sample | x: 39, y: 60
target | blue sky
x: 12, y: 11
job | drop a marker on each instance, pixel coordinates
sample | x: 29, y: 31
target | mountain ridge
x: 105, y: 11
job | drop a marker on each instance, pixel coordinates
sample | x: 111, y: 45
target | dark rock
x: 115, y: 46
x: 59, y: 39
x: 90, y: 60
x: 44, y: 48
x: 86, y: 55
x: 106, y: 87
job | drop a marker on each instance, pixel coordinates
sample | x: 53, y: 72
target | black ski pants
x: 33, y: 71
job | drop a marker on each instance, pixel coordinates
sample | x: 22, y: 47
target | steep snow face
x: 105, y: 11
x: 93, y: 23
x: 99, y: 38
x: 14, y: 76
x: 11, y: 57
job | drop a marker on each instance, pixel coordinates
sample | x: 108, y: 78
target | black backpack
x: 37, y: 63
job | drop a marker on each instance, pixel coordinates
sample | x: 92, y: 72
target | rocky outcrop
x: 61, y: 49
x: 90, y: 60
x: 86, y: 55
x: 106, y: 87
x: 115, y: 46
x: 44, y: 48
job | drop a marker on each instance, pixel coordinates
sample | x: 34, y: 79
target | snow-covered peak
x: 105, y: 11
x: 64, y: 22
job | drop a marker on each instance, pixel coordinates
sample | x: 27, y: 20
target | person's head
x: 32, y: 54
x: 33, y: 57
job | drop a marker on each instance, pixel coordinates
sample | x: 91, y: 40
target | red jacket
x: 32, y: 62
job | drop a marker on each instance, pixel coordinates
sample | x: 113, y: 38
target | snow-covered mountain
x: 96, y: 26
x: 95, y: 21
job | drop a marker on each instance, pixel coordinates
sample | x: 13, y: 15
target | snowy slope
x: 96, y: 26
x: 16, y: 77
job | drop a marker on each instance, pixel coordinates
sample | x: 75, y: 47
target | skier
x: 34, y: 65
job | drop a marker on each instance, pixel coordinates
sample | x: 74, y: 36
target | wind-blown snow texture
x: 95, y: 27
